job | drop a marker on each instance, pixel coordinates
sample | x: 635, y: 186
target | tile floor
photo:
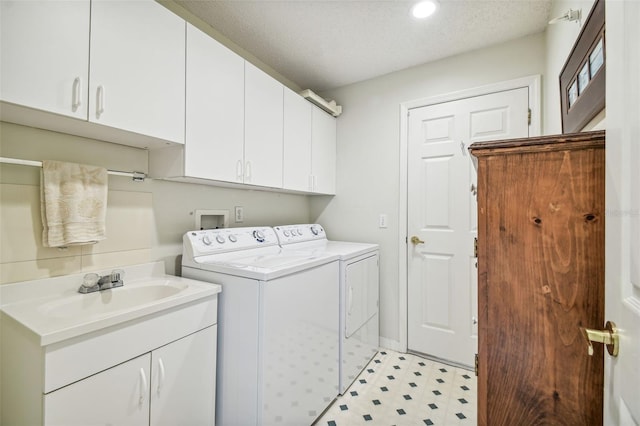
x: 404, y: 389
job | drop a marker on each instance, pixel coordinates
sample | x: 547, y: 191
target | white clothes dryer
x: 277, y: 328
x: 359, y: 293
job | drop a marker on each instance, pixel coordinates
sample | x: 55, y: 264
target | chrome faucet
x: 94, y: 282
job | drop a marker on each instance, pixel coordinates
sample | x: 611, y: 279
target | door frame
x: 531, y: 82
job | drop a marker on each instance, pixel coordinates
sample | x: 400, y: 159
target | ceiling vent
x: 329, y: 106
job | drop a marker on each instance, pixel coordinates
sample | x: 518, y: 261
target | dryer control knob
x: 220, y: 239
x: 258, y: 235
x: 314, y: 230
x: 233, y: 238
x: 206, y: 240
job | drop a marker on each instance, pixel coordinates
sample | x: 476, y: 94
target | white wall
x: 368, y: 150
x: 145, y: 221
x: 559, y: 41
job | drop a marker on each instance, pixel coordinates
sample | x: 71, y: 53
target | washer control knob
x: 258, y: 235
x: 286, y: 233
x: 233, y: 238
x: 314, y: 230
x: 206, y: 240
x: 220, y: 239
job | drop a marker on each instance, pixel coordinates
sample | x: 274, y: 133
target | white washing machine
x: 278, y: 325
x: 359, y: 293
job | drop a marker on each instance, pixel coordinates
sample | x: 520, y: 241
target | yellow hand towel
x: 73, y: 203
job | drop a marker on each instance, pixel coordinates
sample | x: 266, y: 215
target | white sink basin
x: 100, y: 303
x: 53, y: 309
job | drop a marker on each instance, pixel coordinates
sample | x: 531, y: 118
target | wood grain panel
x: 541, y: 278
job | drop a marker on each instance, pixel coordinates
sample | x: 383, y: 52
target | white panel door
x: 137, y: 68
x: 622, y: 236
x: 117, y: 396
x: 45, y: 55
x: 214, y: 140
x: 297, y: 142
x: 442, y: 288
x: 323, y: 154
x: 183, y: 380
x: 263, y: 128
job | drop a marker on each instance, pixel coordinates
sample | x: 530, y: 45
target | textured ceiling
x: 324, y: 44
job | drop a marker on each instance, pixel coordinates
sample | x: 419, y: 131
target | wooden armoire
x: 541, y: 215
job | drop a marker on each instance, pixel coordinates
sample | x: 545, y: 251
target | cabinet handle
x: 143, y: 386
x: 99, y: 101
x: 160, y: 375
x: 77, y: 94
x: 247, y: 172
x: 239, y: 171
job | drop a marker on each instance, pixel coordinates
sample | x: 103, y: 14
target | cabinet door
x: 137, y: 68
x: 117, y: 396
x: 215, y: 109
x: 184, y: 380
x: 263, y: 128
x: 297, y: 142
x: 45, y: 55
x: 323, y: 154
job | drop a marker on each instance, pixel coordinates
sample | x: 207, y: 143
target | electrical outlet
x: 239, y: 214
x: 382, y: 221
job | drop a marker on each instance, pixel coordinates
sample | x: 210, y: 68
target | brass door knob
x: 608, y: 336
x: 416, y: 240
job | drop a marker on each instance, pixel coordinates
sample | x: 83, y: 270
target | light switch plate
x: 382, y: 221
x: 239, y: 217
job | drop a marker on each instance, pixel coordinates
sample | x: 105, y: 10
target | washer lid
x: 345, y: 250
x: 261, y: 264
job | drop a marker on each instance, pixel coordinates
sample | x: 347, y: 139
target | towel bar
x: 135, y: 176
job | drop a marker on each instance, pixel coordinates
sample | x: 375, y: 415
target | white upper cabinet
x: 323, y: 155
x: 137, y: 68
x: 297, y: 142
x: 263, y: 128
x: 214, y: 109
x: 45, y: 55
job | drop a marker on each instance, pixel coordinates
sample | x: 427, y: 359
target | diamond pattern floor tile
x: 398, y: 389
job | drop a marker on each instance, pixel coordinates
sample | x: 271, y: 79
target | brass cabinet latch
x: 475, y: 247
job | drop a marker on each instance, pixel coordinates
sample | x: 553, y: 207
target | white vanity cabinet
x: 45, y: 55
x: 137, y: 71
x: 174, y: 384
x: 141, y: 354
x: 263, y: 128
x: 183, y: 380
x: 118, y: 396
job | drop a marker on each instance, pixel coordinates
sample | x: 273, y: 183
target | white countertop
x: 54, y: 311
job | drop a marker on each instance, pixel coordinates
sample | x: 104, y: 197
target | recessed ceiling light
x: 424, y: 9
